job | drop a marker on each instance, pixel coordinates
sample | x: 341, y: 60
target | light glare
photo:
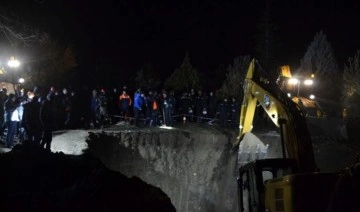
x: 14, y: 63
x: 308, y: 82
x: 293, y: 81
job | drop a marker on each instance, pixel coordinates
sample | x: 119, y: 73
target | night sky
x: 124, y: 35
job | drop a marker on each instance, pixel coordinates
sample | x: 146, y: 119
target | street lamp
x: 21, y: 80
x: 13, y: 63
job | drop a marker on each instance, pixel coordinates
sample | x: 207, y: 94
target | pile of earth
x: 33, y: 179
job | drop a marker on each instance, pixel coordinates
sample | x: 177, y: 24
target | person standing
x: 95, y: 109
x: 173, y: 106
x: 47, y: 120
x: 3, y: 98
x: 234, y: 113
x: 104, y: 114
x: 211, y: 105
x: 11, y: 119
x: 166, y: 107
x: 200, y: 105
x: 223, y: 110
x: 75, y: 110
x: 149, y: 107
x: 138, y: 104
x: 154, y: 110
x: 124, y: 104
x: 23, y: 98
x: 66, y: 108
x: 113, y: 105
x: 31, y: 119
x: 58, y: 109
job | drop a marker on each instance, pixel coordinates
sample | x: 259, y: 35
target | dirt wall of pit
x: 196, y: 168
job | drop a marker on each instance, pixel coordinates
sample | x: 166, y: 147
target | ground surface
x: 195, y: 165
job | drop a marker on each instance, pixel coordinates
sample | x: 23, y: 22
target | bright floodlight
x: 21, y: 80
x: 13, y: 63
x: 308, y: 82
x: 293, y: 81
x: 312, y: 96
x: 289, y: 94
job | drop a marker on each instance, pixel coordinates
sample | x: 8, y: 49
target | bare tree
x: 15, y: 31
x: 233, y: 84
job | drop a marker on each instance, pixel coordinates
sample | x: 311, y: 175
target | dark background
x: 121, y: 36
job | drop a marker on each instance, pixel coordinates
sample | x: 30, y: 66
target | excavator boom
x: 288, y: 184
x: 284, y: 113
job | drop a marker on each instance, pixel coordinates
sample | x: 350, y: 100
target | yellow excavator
x: 291, y: 183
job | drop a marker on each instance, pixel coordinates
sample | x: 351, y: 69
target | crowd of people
x: 32, y: 116
x: 153, y: 108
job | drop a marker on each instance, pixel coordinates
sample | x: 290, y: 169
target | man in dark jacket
x: 199, y: 105
x: 47, y: 120
x: 31, y: 119
x: 211, y: 105
x: 3, y: 98
x: 234, y: 113
x: 95, y: 109
x: 223, y: 111
x: 166, y: 106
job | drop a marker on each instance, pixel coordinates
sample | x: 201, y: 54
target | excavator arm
x: 284, y: 113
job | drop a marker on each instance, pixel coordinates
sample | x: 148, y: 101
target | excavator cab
x: 276, y: 185
x: 299, y: 192
x: 253, y: 177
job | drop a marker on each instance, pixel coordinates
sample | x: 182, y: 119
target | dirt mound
x: 35, y: 180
